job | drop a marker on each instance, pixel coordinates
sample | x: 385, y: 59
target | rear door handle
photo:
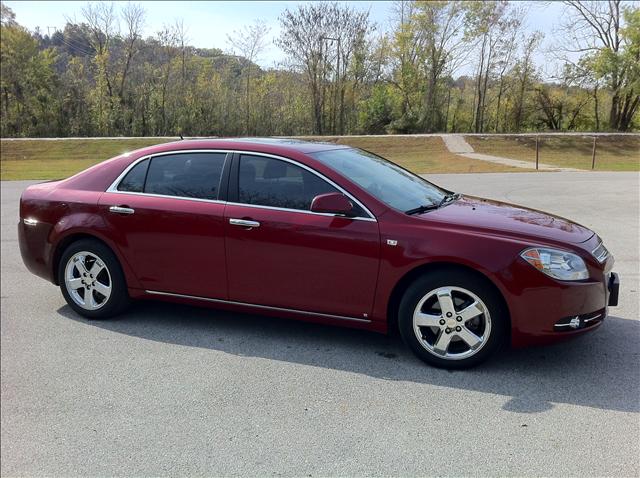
x: 244, y: 223
x: 121, y: 210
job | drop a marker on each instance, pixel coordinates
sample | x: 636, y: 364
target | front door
x: 168, y: 222
x: 281, y: 254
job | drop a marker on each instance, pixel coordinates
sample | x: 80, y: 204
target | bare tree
x: 506, y: 50
x: 181, y: 39
x: 305, y: 36
x: 302, y: 39
x: 487, y: 22
x: 168, y: 38
x: 405, y: 57
x: 133, y: 17
x: 350, y: 29
x: 524, y: 72
x: 103, y: 25
x: 251, y: 41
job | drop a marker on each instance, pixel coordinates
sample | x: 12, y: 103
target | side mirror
x: 332, y: 203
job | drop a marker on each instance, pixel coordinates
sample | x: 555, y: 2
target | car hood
x: 498, y: 217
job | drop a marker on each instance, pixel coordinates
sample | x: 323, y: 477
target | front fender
x: 420, y: 247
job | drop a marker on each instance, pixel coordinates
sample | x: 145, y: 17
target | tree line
x: 100, y: 77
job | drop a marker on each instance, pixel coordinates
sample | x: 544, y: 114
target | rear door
x: 167, y: 217
x: 281, y: 254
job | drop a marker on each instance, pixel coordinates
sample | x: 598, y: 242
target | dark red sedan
x: 316, y: 232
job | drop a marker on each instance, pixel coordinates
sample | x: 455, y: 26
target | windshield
x: 388, y: 182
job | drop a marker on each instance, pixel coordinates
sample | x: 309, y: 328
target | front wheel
x: 452, y: 319
x: 92, y: 281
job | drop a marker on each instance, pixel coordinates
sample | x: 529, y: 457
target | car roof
x: 260, y: 145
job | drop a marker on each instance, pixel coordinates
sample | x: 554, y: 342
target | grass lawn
x: 40, y: 159
x: 43, y: 159
x: 420, y: 154
x: 613, y: 153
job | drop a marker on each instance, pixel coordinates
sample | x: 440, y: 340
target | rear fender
x: 85, y: 225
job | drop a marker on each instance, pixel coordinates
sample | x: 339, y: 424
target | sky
x: 209, y: 23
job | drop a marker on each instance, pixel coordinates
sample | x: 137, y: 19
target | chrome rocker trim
x: 257, y: 306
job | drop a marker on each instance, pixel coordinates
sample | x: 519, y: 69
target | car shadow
x: 597, y: 370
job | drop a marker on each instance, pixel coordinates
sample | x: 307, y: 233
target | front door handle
x: 121, y: 210
x: 244, y: 223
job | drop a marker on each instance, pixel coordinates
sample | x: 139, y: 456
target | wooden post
x: 593, y: 154
x: 537, y: 151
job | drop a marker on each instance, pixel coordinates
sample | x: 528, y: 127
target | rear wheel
x: 452, y: 319
x: 91, y: 280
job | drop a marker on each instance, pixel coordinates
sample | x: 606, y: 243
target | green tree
x: 440, y: 27
x: 376, y: 113
x: 608, y: 35
x: 28, y: 83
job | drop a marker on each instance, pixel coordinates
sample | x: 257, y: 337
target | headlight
x: 560, y: 265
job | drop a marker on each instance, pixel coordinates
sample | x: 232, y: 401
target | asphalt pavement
x: 177, y: 390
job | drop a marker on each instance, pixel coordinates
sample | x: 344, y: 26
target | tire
x: 477, y: 327
x: 87, y: 267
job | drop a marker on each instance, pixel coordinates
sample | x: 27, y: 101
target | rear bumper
x: 35, y: 248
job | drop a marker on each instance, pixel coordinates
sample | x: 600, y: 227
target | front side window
x: 272, y: 182
x: 191, y: 175
x: 388, y: 182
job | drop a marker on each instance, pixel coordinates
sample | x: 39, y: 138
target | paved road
x: 172, y: 390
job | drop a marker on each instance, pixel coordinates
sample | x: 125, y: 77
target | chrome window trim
x: 246, y: 304
x: 301, y: 211
x: 312, y: 171
x: 182, y: 198
x: 113, y: 188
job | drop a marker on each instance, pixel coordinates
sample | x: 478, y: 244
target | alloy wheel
x: 88, y: 280
x: 452, y: 323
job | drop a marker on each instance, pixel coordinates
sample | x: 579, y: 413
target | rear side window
x: 133, y: 182
x: 192, y: 175
x: 272, y: 182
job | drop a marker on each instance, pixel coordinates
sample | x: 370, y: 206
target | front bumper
x: 614, y: 289
x: 579, y: 322
x: 584, y: 321
x: 547, y: 311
